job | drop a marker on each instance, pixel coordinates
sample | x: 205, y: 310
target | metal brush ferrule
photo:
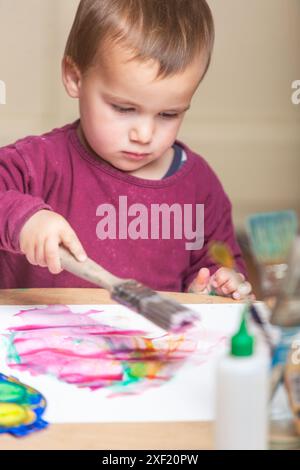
x: 131, y: 293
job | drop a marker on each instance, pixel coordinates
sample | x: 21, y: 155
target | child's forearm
x: 18, y: 201
x: 15, y: 209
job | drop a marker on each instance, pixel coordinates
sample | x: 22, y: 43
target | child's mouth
x: 136, y: 156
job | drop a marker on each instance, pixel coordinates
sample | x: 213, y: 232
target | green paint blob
x: 77, y: 341
x: 12, y: 354
x: 11, y: 392
x: 138, y: 370
x: 129, y: 376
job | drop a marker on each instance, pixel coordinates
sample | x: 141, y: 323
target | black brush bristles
x: 165, y: 313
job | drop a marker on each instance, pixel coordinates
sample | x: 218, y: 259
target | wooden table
x: 107, y: 436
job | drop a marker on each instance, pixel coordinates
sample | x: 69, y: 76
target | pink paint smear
x: 79, y: 350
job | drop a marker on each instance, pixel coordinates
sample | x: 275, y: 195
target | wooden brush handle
x: 88, y: 270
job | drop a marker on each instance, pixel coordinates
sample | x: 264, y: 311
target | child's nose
x: 142, y: 132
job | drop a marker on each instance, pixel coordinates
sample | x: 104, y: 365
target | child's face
x: 129, y: 117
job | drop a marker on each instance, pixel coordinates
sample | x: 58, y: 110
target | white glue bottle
x: 242, y: 395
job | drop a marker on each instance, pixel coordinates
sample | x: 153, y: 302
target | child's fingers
x: 236, y: 283
x: 200, y: 284
x: 228, y: 282
x: 52, y: 255
x: 29, y: 252
x: 227, y: 279
x: 242, y: 291
x: 28, y: 249
x: 220, y: 277
x: 71, y: 241
x: 229, y: 287
x: 40, y: 254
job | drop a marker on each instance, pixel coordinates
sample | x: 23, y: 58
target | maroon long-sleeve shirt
x: 55, y: 172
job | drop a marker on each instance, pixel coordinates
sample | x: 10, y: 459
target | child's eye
x: 169, y: 116
x: 121, y: 109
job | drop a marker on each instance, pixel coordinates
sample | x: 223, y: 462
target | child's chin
x: 127, y: 166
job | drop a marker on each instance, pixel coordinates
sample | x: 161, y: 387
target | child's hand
x: 201, y: 284
x: 225, y: 282
x: 41, y: 236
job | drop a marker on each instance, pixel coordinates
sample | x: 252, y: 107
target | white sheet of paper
x: 189, y: 396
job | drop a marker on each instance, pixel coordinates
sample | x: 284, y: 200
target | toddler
x: 116, y: 184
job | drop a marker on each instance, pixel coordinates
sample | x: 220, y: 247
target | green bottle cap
x: 242, y: 343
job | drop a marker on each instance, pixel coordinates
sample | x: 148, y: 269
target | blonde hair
x: 171, y: 32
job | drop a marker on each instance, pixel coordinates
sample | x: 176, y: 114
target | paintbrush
x: 165, y: 313
x: 221, y: 254
x: 286, y: 311
x: 286, y: 315
x: 271, y: 236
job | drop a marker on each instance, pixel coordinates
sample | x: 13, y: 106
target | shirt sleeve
x: 218, y: 226
x: 17, y: 204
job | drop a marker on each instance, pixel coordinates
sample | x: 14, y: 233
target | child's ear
x: 71, y: 77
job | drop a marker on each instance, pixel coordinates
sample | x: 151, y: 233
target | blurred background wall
x: 242, y: 119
